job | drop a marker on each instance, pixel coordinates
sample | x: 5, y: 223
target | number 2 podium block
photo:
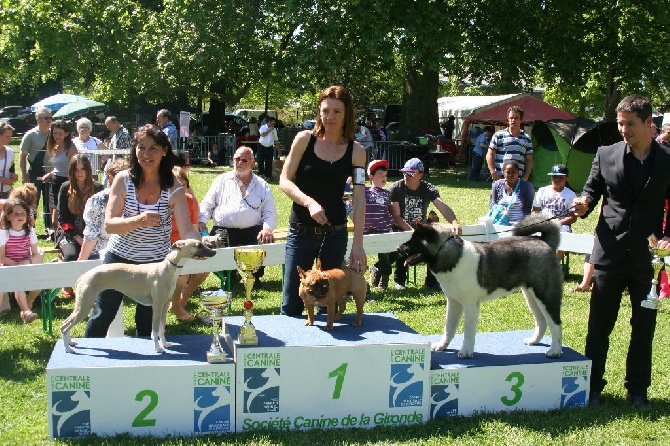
x: 121, y: 385
x: 504, y: 375
x: 302, y: 377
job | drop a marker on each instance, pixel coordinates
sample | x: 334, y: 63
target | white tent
x: 463, y: 106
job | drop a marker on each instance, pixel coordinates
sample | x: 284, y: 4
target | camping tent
x: 572, y: 142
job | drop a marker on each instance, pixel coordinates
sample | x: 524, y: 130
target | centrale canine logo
x: 211, y: 411
x: 444, y: 391
x: 406, y: 385
x: 574, y: 386
x: 261, y: 390
x: 71, y: 413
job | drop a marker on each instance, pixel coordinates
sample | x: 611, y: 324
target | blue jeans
x: 109, y: 301
x: 302, y: 249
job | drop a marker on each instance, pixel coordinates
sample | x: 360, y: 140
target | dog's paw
x: 167, y: 344
x: 465, y: 354
x: 438, y: 346
x: 69, y: 349
x: 553, y: 353
x: 329, y: 327
x: 531, y: 341
x: 160, y: 349
x: 356, y: 323
x: 308, y: 323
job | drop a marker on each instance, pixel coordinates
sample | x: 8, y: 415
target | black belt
x: 318, y: 230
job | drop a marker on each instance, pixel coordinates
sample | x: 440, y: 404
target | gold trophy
x: 657, y: 263
x: 218, y: 302
x: 248, y: 261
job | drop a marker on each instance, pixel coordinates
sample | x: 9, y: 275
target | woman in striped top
x: 142, y: 202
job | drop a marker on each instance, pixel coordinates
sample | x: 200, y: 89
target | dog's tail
x: 544, y: 223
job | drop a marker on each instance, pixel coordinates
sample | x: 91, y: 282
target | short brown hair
x: 515, y: 109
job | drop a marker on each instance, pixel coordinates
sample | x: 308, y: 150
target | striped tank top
x: 144, y: 245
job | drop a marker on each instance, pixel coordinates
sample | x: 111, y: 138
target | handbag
x: 498, y: 212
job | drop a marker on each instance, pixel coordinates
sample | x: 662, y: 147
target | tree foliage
x: 588, y: 54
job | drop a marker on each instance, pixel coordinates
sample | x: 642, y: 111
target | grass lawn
x: 25, y: 351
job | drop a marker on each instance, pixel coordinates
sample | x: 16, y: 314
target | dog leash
x: 537, y: 223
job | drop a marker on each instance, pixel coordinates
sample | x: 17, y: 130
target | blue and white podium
x: 298, y: 377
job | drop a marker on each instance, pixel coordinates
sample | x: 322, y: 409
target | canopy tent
x: 572, y: 142
x: 460, y: 107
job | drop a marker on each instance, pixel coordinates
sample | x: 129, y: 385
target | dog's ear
x: 318, y: 263
x: 301, y: 272
x: 178, y: 244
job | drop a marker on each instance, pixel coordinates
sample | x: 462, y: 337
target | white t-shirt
x: 269, y: 139
x: 5, y: 164
x: 90, y: 144
x: 558, y: 203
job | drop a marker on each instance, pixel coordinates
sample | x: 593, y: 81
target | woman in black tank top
x: 314, y: 176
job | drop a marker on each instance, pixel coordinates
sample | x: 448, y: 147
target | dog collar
x: 443, y: 245
x: 174, y: 264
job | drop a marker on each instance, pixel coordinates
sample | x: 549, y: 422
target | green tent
x: 572, y: 142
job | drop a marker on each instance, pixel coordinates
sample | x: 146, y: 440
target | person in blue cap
x: 410, y: 198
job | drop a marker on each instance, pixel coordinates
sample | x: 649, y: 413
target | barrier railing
x: 60, y: 274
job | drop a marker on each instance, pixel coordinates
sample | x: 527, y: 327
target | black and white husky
x: 471, y: 273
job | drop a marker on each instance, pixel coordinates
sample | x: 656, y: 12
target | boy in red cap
x: 378, y: 218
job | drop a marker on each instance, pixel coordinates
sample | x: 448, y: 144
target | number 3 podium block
x: 117, y: 385
x: 302, y: 377
x: 505, y: 374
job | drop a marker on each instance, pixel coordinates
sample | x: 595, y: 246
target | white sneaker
x: 398, y: 286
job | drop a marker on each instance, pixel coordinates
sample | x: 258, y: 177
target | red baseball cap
x: 375, y: 164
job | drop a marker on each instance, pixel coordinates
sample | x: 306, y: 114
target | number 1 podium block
x: 118, y: 385
x: 504, y: 375
x: 300, y: 377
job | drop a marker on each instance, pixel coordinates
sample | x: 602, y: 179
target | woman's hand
x: 358, y: 259
x: 317, y: 212
x: 149, y: 219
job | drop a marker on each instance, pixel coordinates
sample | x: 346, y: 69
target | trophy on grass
x: 218, y: 302
x: 248, y: 261
x: 657, y: 263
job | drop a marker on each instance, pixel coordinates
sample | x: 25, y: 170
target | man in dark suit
x: 633, y: 178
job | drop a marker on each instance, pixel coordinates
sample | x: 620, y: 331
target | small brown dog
x: 331, y: 288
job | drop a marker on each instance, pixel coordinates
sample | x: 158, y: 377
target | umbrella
x: 78, y: 108
x: 55, y: 102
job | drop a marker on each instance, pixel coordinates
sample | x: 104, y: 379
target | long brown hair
x: 76, y: 197
x: 341, y: 93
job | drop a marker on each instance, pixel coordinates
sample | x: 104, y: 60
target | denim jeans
x: 264, y: 157
x: 302, y: 249
x: 109, y: 301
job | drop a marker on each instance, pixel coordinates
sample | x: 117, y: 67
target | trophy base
x: 651, y: 304
x: 248, y: 339
x: 216, y: 358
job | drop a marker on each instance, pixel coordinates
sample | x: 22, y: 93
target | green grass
x: 25, y: 351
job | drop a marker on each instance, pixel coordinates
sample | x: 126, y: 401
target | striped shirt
x: 378, y: 218
x: 144, y: 244
x: 508, y: 146
x: 17, y: 243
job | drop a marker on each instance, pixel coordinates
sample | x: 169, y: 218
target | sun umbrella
x: 79, y: 108
x: 55, y: 102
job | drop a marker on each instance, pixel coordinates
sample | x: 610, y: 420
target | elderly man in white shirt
x: 241, y: 203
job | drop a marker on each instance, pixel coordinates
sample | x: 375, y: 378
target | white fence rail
x: 60, y: 274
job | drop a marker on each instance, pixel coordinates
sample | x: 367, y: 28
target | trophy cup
x: 652, y: 302
x: 248, y: 261
x: 218, y: 302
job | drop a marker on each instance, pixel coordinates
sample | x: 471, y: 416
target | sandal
x: 28, y: 316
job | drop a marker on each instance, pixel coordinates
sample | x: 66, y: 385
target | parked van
x: 248, y: 113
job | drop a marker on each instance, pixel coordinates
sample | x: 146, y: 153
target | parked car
x: 21, y: 123
x: 309, y: 125
x: 11, y: 111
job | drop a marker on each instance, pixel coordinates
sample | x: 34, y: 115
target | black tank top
x: 324, y: 181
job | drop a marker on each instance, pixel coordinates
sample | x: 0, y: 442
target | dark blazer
x: 625, y: 222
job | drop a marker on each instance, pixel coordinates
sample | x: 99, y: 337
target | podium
x: 381, y: 373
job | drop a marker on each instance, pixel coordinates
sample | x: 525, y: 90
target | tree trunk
x: 612, y: 97
x: 419, y: 102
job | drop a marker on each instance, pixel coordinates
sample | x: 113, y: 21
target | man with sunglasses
x: 242, y: 204
x: 410, y: 198
x: 32, y: 159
